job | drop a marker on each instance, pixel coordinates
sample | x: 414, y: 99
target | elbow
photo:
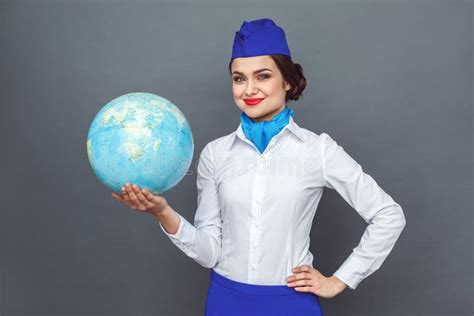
x: 404, y: 222
x: 210, y: 262
x: 215, y: 254
x: 213, y: 262
x: 401, y: 218
x: 205, y: 250
x: 391, y: 217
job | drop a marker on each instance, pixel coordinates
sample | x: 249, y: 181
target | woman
x: 258, y: 191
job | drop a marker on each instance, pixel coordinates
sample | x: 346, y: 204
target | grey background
x: 390, y: 81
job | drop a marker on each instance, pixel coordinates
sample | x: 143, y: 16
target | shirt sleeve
x: 202, y: 242
x: 384, y: 216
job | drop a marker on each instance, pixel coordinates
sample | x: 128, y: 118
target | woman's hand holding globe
x: 142, y: 200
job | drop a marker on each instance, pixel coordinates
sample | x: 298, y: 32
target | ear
x: 286, y: 86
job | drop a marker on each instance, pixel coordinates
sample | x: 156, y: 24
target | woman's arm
x: 201, y: 242
x: 169, y: 220
x: 384, y: 216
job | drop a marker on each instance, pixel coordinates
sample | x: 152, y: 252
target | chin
x: 253, y: 113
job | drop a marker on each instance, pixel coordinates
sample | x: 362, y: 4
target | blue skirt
x: 226, y: 297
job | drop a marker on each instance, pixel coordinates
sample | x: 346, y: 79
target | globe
x: 140, y: 138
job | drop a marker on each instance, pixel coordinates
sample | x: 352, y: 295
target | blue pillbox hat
x: 260, y: 37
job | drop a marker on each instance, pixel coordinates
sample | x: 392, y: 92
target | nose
x: 251, y: 88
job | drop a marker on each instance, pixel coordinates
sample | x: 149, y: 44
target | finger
x: 129, y: 196
x: 118, y: 197
x: 147, y: 194
x: 126, y: 197
x: 304, y: 289
x: 140, y: 196
x: 301, y: 283
x: 136, y: 203
x: 297, y: 276
x: 302, y: 276
x: 302, y: 268
x: 125, y: 194
x: 121, y: 198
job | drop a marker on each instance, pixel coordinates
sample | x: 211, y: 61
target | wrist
x: 162, y: 213
x: 338, y: 283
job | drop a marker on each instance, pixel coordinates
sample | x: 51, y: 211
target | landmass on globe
x: 140, y: 138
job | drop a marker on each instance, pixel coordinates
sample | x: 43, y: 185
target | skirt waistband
x: 252, y: 289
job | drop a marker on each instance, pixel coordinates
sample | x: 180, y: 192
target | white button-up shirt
x: 255, y: 210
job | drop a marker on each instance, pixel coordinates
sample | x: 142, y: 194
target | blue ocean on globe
x: 140, y: 138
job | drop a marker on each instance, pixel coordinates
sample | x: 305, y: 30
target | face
x: 258, y: 87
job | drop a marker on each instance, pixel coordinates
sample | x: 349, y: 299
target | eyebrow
x: 255, y: 72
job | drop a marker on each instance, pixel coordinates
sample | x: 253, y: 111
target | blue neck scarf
x: 260, y: 133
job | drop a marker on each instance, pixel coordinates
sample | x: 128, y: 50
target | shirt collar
x: 291, y: 126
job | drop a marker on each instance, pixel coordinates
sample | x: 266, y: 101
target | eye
x: 261, y: 77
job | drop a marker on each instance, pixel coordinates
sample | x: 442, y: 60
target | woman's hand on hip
x: 308, y: 279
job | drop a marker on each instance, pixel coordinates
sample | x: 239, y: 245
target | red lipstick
x: 253, y: 101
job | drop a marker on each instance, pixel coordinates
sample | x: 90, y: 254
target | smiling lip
x: 253, y: 101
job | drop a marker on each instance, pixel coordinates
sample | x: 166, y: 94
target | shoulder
x: 319, y: 144
x: 218, y: 145
x: 326, y: 139
x: 315, y: 139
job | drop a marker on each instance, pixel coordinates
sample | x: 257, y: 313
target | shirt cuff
x: 351, y: 272
x: 178, y: 233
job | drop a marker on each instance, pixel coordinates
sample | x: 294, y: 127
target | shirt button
x: 254, y: 245
x: 256, y: 224
x: 254, y: 267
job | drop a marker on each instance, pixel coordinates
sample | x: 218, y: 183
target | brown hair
x: 291, y: 72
